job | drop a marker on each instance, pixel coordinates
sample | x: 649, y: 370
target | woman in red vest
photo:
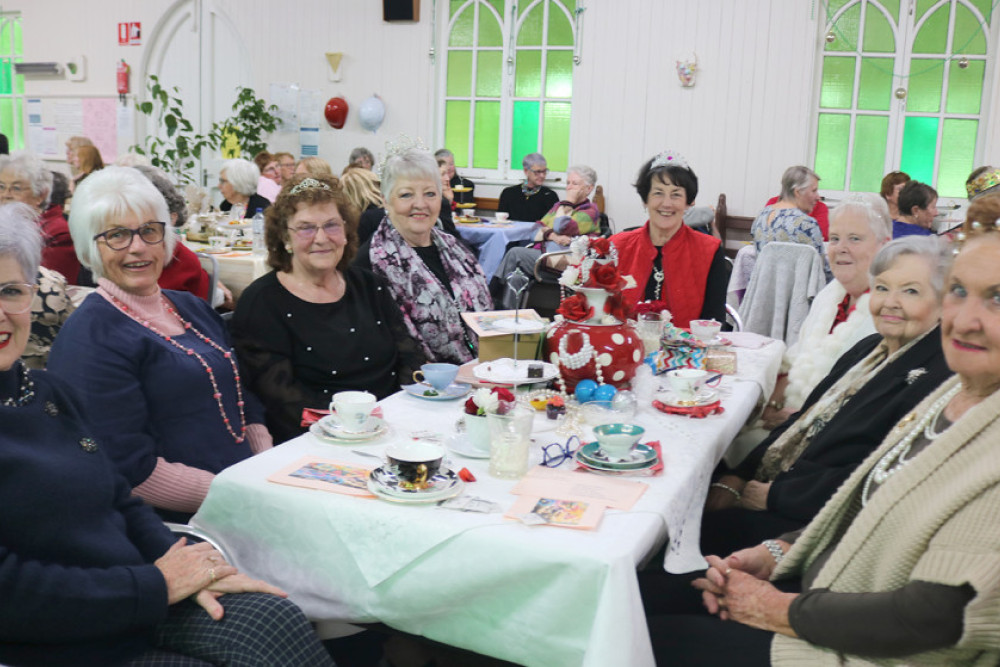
x: 668, y: 260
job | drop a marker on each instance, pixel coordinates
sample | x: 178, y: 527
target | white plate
x: 461, y: 446
x: 503, y: 371
x: 449, y: 393
x: 330, y: 430
x: 703, y: 397
x: 522, y: 325
x: 445, y: 484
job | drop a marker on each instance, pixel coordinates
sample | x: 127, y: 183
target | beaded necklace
x: 27, y: 390
x: 216, y: 393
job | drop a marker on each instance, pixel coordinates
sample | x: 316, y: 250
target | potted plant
x: 176, y: 153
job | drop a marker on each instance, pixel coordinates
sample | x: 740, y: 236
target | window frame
x: 16, y: 138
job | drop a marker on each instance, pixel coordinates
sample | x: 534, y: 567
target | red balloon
x: 336, y: 112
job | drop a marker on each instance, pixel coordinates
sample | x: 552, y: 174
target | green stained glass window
x: 559, y: 74
x: 499, y: 6
x: 486, y: 152
x: 18, y: 46
x: 531, y: 30
x: 524, y: 132
x: 456, y: 125
x: 19, y: 83
x: 924, y: 92
x: 459, y: 73
x: 489, y: 71
x: 528, y: 78
x: 969, y: 38
x: 933, y: 34
x: 570, y: 5
x: 919, y: 144
x: 892, y: 6
x: 845, y: 30
x: 5, y: 34
x: 868, y: 160
x: 833, y: 137
x: 6, y: 113
x: 6, y: 78
x: 958, y: 146
x: 560, y: 29
x: 838, y: 82
x: 454, y: 6
x: 878, y: 32
x: 984, y: 7
x: 965, y: 87
x: 462, y: 29
x: 555, y: 134
x: 875, y: 87
x: 524, y: 6
x: 490, y: 31
x: 923, y: 6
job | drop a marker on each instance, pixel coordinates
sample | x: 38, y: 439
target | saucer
x: 642, y: 457
x: 715, y: 342
x: 461, y: 446
x: 331, y: 430
x: 384, y: 484
x: 703, y: 397
x: 449, y: 393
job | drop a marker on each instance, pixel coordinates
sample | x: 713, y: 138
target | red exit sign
x: 130, y: 34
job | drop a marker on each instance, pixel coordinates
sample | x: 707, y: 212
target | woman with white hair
x: 431, y: 276
x: 529, y: 201
x: 788, y: 220
x: 25, y: 178
x: 238, y: 180
x: 163, y: 389
x: 839, y: 315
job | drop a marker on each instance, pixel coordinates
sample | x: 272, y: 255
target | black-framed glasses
x: 306, y: 232
x: 120, y: 238
x: 15, y: 298
x: 555, y: 454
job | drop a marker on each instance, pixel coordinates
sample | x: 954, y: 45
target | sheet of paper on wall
x: 285, y: 96
x: 311, y: 105
x: 50, y: 142
x: 309, y: 141
x: 100, y: 124
x: 126, y: 124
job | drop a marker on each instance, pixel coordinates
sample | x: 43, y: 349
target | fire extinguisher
x: 122, y: 79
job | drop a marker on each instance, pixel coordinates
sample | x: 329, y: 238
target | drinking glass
x: 510, y: 435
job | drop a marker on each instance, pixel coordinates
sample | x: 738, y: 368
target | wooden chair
x: 734, y: 229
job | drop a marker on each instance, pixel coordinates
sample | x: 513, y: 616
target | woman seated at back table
x: 88, y: 575
x: 163, y: 391
x: 238, y: 185
x: 317, y: 325
x: 917, y: 210
x: 431, y: 276
x: 839, y: 316
x: 900, y: 566
x: 669, y: 261
x: 785, y: 481
x: 528, y: 201
x: 788, y: 219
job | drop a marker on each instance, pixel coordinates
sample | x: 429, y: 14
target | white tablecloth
x: 238, y: 268
x: 491, y: 240
x: 532, y: 595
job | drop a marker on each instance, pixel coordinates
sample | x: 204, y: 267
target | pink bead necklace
x: 204, y: 364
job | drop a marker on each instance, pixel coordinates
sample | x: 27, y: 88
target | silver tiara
x: 309, y: 184
x: 397, y: 146
x: 670, y: 158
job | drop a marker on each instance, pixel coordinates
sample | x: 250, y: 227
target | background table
x: 532, y: 595
x: 491, y: 240
x: 237, y: 268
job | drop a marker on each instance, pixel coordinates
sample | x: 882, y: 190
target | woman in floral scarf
x: 431, y: 275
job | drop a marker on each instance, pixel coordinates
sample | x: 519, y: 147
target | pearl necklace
x: 216, y: 393
x: 578, y: 359
x: 27, y: 390
x: 895, y: 459
x: 658, y: 277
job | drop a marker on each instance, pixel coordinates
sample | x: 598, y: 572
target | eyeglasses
x: 307, y: 232
x: 555, y: 454
x: 13, y: 188
x: 287, y: 165
x: 539, y: 172
x: 15, y: 298
x: 121, y: 238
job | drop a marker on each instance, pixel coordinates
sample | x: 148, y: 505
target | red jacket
x: 58, y: 254
x: 184, y: 272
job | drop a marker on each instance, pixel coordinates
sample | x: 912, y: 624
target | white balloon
x: 371, y: 113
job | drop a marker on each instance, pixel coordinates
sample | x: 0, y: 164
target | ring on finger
x: 211, y: 574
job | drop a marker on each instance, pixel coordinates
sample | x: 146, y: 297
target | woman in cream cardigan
x: 902, y: 565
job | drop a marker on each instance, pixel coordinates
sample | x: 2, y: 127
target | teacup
x: 353, y: 409
x: 705, y: 330
x: 617, y: 441
x: 414, y: 463
x: 438, y: 376
x: 501, y: 216
x: 218, y: 242
x: 686, y: 382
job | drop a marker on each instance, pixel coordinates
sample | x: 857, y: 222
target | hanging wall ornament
x: 371, y: 113
x: 336, y: 112
x: 687, y: 71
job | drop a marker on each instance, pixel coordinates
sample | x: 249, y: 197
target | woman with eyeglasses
x: 531, y: 200
x: 317, y: 325
x: 159, y: 379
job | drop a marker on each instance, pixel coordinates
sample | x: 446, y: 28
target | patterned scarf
x: 432, y: 315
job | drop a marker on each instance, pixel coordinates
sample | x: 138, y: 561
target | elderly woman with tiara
x: 670, y: 262
x: 431, y: 276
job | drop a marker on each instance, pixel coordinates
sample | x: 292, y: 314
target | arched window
x: 11, y: 84
x: 508, y: 80
x: 902, y: 88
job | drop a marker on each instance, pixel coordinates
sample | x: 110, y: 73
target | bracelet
x: 777, y: 405
x: 776, y: 552
x: 726, y: 487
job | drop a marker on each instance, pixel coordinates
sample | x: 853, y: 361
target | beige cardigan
x: 936, y: 520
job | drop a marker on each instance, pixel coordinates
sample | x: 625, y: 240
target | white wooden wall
x: 748, y: 117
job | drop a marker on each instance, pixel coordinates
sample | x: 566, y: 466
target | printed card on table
x: 311, y: 472
x: 580, y: 514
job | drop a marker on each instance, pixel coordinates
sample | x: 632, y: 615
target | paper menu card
x: 542, y: 482
x: 312, y: 472
x: 580, y: 514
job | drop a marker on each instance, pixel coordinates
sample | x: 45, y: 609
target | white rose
x: 569, y: 276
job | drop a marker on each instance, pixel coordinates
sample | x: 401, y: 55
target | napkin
x: 695, y: 411
x: 312, y: 415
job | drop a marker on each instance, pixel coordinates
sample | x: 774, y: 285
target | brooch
x: 915, y: 374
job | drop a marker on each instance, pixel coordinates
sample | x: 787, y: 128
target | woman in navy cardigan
x: 163, y: 389
x: 88, y: 574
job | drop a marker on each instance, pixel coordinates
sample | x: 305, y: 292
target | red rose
x: 575, y: 308
x: 649, y: 307
x: 605, y: 276
x: 601, y: 246
x: 470, y: 407
x: 503, y: 394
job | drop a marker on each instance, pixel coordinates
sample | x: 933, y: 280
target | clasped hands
x: 200, y: 572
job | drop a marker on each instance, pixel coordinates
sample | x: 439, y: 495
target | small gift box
x: 718, y: 360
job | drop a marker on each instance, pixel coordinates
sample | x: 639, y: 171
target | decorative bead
x: 226, y: 355
x: 239, y: 403
x: 88, y: 445
x: 190, y: 352
x: 51, y: 409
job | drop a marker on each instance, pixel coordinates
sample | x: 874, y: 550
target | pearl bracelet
x: 726, y: 487
x: 776, y: 551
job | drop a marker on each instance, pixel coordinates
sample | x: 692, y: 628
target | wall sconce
x: 334, y: 60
